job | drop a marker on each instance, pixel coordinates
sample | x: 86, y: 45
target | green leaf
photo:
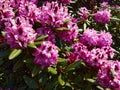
x: 31, y: 45
x: 61, y: 60
x: 91, y: 80
x: 17, y: 65
x: 37, y: 43
x: 60, y: 80
x: 15, y: 11
x: 84, y: 26
x: 3, y: 45
x: 1, y: 61
x: 35, y: 71
x: 3, y: 33
x: 115, y: 19
x: 66, y: 21
x: 100, y: 88
x: 15, y: 53
x: 73, y: 65
x: 4, y: 53
x: 52, y: 70
x: 41, y: 37
x: 106, y: 26
x: 31, y: 83
x: 62, y: 29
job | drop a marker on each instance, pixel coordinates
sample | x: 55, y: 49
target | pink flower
x: 102, y: 16
x: 79, y: 52
x: 64, y: 1
x: 46, y: 55
x: 109, y: 75
x: 96, y: 57
x: 89, y: 37
x: 70, y: 34
x: 18, y: 34
x: 105, y: 39
x: 46, y: 31
x: 53, y: 14
x: 83, y: 13
x: 29, y: 10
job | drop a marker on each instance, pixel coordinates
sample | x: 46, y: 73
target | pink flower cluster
x: 18, y: 18
x: 102, y: 16
x: 55, y: 16
x: 109, y: 74
x: 46, y: 55
x: 19, y: 34
x: 95, y: 50
x: 91, y: 38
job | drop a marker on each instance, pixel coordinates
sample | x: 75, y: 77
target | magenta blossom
x: 53, y: 14
x: 70, y: 34
x: 46, y: 55
x: 89, y: 37
x: 83, y: 13
x: 64, y: 1
x: 19, y: 35
x: 102, y: 16
x: 105, y: 39
x: 79, y: 52
x: 96, y: 57
x: 109, y: 75
x: 48, y: 32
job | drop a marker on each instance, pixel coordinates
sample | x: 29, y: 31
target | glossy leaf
x: 35, y: 71
x: 31, y: 83
x: 31, y: 45
x: 62, y: 82
x: 4, y: 53
x: 62, y: 29
x: 15, y: 53
x: 52, y: 70
x: 73, y: 65
x: 41, y: 37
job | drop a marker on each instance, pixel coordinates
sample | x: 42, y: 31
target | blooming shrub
x: 59, y: 45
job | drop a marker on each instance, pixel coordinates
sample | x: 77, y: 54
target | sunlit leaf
x: 41, y: 37
x: 52, y: 70
x: 62, y: 29
x: 31, y: 45
x: 15, y: 53
x: 62, y: 82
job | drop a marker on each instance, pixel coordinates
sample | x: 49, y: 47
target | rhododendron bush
x: 59, y: 45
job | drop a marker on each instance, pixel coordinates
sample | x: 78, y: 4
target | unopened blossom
x: 48, y: 32
x: 83, y: 13
x: 89, y: 37
x: 46, y: 55
x: 102, y: 16
x: 79, y: 52
x: 104, y: 5
x: 109, y: 75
